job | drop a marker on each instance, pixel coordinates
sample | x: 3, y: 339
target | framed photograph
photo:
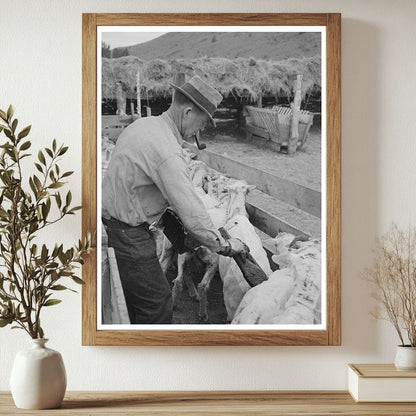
x: 211, y: 172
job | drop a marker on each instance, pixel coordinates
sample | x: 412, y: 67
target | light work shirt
x: 147, y: 173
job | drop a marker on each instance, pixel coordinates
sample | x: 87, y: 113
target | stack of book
x: 381, y: 383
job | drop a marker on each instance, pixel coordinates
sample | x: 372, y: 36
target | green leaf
x: 54, y: 145
x: 51, y: 302
x: 24, y: 132
x: 3, y: 115
x: 55, y: 251
x: 14, y: 125
x: 25, y: 155
x: 68, y: 199
x: 37, y: 183
x: 8, y: 133
x: 39, y: 167
x: 44, y: 253
x: 33, y: 187
x: 59, y: 287
x: 34, y: 249
x: 49, y: 151
x: 41, y: 157
x: 56, y: 185
x: 25, y: 145
x: 45, y: 211
x: 10, y: 112
x: 40, y: 332
x: 78, y: 280
x: 58, y: 199
x: 63, y: 150
x: 67, y: 174
x: 62, y: 257
x: 77, y: 208
x: 5, y: 321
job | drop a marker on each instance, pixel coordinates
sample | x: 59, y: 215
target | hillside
x: 261, y: 45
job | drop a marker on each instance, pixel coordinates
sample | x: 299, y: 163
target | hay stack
x: 122, y: 69
x: 239, y: 77
x: 155, y: 76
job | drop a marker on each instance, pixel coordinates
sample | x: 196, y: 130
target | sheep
x: 261, y: 303
x: 234, y: 284
x: 304, y: 305
x: 232, y: 215
x: 292, y: 294
x: 224, y: 199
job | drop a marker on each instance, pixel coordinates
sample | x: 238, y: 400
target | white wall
x: 40, y: 64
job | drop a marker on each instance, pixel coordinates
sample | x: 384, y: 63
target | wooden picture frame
x: 331, y: 334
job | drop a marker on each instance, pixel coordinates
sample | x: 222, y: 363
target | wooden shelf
x: 178, y: 403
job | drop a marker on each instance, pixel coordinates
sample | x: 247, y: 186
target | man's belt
x: 113, y: 221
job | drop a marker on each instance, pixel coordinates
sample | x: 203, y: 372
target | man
x: 146, y: 174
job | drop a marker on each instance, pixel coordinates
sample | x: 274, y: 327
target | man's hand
x: 235, y: 246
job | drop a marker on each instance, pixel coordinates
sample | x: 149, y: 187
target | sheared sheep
x: 292, y: 294
x: 234, y: 284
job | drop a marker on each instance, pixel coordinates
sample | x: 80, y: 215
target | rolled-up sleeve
x: 172, y: 179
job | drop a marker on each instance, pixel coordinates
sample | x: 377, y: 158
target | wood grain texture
x: 331, y: 336
x: 211, y: 19
x: 210, y: 337
x: 333, y: 174
x: 380, y: 371
x: 261, y: 403
x: 89, y: 173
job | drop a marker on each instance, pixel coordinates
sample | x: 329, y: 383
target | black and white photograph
x: 212, y: 188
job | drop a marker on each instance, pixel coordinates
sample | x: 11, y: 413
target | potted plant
x: 31, y: 272
x: 393, y: 277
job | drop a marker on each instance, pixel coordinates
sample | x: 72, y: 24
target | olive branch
x: 31, y: 274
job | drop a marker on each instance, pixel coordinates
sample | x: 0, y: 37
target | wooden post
x: 260, y: 101
x: 294, y: 125
x: 148, y: 111
x: 179, y: 80
x: 132, y: 108
x: 121, y: 99
x: 139, y: 102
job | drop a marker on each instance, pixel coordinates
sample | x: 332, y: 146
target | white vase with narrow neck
x: 405, y: 358
x: 38, y: 378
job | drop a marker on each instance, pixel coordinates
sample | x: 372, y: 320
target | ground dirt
x: 186, y: 309
x: 302, y: 167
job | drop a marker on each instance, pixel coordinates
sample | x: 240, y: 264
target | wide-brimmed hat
x: 202, y: 95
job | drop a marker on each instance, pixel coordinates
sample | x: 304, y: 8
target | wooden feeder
x: 283, y: 126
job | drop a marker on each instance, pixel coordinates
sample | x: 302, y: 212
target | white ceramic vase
x: 38, y: 378
x: 405, y: 358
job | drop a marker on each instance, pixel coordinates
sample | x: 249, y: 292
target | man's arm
x: 173, y: 180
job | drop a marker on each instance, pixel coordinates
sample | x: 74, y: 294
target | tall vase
x: 38, y: 378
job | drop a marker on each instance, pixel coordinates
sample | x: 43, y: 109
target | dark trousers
x: 146, y: 290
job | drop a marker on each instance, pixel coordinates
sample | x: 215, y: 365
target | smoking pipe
x: 200, y: 146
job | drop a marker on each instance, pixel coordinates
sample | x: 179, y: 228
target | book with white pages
x: 381, y: 383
